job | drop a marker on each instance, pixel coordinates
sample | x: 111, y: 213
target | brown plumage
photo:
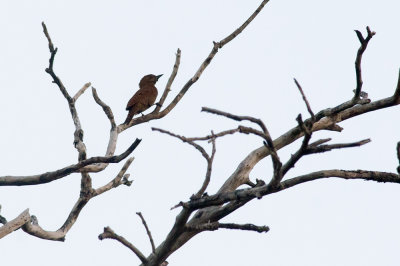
x: 144, y: 97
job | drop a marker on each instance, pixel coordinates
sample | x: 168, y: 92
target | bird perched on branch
x: 144, y: 97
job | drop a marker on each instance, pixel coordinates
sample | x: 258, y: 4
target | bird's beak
x: 159, y: 76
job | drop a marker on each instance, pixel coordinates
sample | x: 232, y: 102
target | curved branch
x: 107, y: 110
x: 51, y: 176
x: 110, y: 234
x: 153, y: 247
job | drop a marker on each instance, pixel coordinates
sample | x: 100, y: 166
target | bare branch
x: 249, y: 130
x: 51, y: 46
x: 235, y: 117
x: 268, y: 140
x: 361, y: 50
x: 244, y: 25
x: 209, y: 170
x: 305, y: 100
x: 86, y: 194
x: 324, y: 148
x: 81, y: 91
x: 184, y: 139
x: 258, y: 192
x: 296, y: 157
x: 217, y: 225
x: 396, y: 94
x: 118, y: 180
x: 32, y: 227
x: 51, y: 176
x: 49, y: 70
x: 220, y: 134
x: 319, y: 142
x: 78, y: 134
x: 153, y: 247
x: 3, y: 220
x: 345, y: 174
x: 14, y: 224
x: 241, y: 174
x: 170, y: 81
x: 166, y: 247
x: 208, y: 158
x: 398, y: 156
x: 107, y: 110
x: 110, y: 234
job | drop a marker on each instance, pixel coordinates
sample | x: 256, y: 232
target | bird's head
x: 149, y: 79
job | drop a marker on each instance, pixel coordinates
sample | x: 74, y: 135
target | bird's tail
x: 129, y: 117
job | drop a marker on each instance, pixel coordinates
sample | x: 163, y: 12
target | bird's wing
x: 135, y: 99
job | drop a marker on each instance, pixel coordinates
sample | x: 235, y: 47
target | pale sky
x: 113, y: 44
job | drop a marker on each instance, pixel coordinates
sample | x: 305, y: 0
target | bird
x: 144, y: 97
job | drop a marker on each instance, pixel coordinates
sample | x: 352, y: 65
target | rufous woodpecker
x: 144, y: 97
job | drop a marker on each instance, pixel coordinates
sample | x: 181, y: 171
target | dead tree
x: 203, y: 212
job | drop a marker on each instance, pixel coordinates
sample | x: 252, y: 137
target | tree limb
x: 153, y: 247
x: 54, y: 175
x: 170, y: 81
x: 360, y: 52
x: 14, y: 224
x: 110, y: 234
x: 217, y: 225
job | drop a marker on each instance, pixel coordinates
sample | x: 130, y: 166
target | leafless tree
x: 203, y: 212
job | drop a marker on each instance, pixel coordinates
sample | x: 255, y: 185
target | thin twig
x: 81, y: 91
x: 153, y: 247
x: 184, y: 139
x: 319, y: 142
x: 46, y: 33
x: 209, y: 170
x: 324, y: 148
x: 170, y: 81
x: 301, y: 151
x: 203, y: 152
x: 117, y: 181
x: 110, y: 234
x: 235, y: 117
x: 305, y: 100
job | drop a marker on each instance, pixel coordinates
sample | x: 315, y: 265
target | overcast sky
x: 113, y: 44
